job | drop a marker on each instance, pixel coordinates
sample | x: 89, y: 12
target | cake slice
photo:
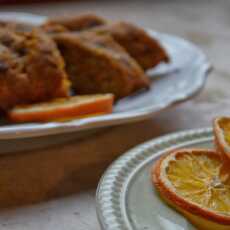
x: 31, y: 69
x: 146, y: 50
x: 74, y: 23
x: 97, y: 64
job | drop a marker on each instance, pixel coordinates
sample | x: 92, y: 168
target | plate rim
x: 113, y: 185
x: 19, y: 131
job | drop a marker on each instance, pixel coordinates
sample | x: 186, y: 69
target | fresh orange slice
x: 189, y: 181
x: 63, y: 109
x: 221, y: 128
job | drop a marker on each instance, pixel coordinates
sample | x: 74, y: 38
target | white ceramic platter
x: 126, y: 198
x: 171, y: 83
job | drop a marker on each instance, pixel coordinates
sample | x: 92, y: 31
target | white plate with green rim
x: 172, y: 83
x: 126, y: 198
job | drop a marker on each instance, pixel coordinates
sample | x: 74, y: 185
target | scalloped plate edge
x: 113, y: 185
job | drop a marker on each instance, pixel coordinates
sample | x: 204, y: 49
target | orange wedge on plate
x: 189, y: 181
x: 221, y: 128
x: 63, y: 109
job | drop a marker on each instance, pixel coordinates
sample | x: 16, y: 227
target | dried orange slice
x: 222, y: 134
x: 63, y: 108
x: 189, y: 181
x: 221, y: 127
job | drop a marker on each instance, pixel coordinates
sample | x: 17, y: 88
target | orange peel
x: 188, y: 180
x: 221, y: 129
x: 63, y: 109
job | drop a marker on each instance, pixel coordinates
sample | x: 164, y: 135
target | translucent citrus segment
x: 221, y: 127
x: 224, y: 124
x: 189, y: 181
x: 195, y: 177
